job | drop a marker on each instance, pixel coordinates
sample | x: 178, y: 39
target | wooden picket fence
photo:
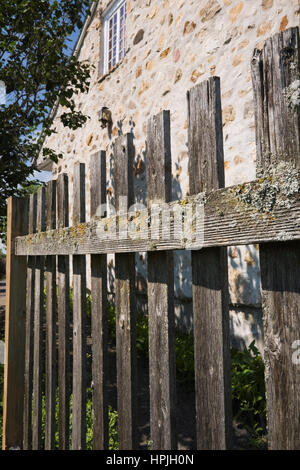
x: 41, y: 245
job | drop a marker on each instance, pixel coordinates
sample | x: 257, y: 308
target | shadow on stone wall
x: 244, y: 276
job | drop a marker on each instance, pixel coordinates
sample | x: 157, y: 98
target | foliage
x: 184, y: 346
x: 248, y: 389
x: 112, y: 429
x: 248, y: 386
x: 38, y: 72
x: 111, y: 323
x: 142, y: 337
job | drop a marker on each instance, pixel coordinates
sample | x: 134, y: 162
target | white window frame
x: 108, y: 14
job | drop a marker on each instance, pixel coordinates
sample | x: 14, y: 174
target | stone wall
x: 171, y: 46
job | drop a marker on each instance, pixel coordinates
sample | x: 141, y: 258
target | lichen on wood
x: 292, y: 94
x: 274, y: 188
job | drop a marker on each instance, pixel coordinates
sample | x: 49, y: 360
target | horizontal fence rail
x: 57, y: 349
x: 238, y: 215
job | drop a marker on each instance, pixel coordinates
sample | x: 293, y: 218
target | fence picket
x: 275, y: 74
x: 15, y: 312
x: 99, y: 310
x: 161, y: 295
x: 79, y: 319
x: 209, y: 276
x: 38, y: 341
x: 278, y: 141
x: 50, y: 391
x: 27, y: 432
x: 125, y: 304
x: 63, y: 307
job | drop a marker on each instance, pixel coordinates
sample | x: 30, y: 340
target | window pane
x: 115, y: 42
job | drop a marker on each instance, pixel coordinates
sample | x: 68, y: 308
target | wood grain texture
x: 161, y: 295
x: 205, y: 137
x: 125, y: 304
x: 228, y: 221
x: 79, y: 320
x: 159, y: 161
x: 63, y: 307
x: 281, y: 310
x: 28, y: 375
x: 99, y: 311
x: 51, y: 356
x: 274, y: 69
x: 15, y: 320
x: 39, y: 319
x: 209, y: 277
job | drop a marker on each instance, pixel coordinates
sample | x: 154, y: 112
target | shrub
x: 248, y: 390
x: 248, y: 386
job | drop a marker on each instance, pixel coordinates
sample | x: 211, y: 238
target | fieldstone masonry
x: 171, y: 46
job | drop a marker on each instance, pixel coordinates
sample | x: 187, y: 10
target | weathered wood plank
x: 50, y: 390
x: 161, y: 295
x: 79, y: 320
x: 99, y: 310
x: 39, y: 313
x: 15, y: 318
x: 256, y: 212
x: 125, y: 303
x: 209, y: 276
x: 28, y: 375
x: 274, y: 70
x: 63, y: 306
x: 205, y: 137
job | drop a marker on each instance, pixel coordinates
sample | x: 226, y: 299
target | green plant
x: 184, y: 346
x: 113, y: 429
x: 111, y: 320
x: 39, y: 70
x: 142, y: 337
x: 248, y: 390
x: 112, y: 420
x: 248, y: 387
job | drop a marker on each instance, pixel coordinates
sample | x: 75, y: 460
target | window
x: 114, y: 34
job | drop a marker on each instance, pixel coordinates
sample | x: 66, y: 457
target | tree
x: 38, y: 71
